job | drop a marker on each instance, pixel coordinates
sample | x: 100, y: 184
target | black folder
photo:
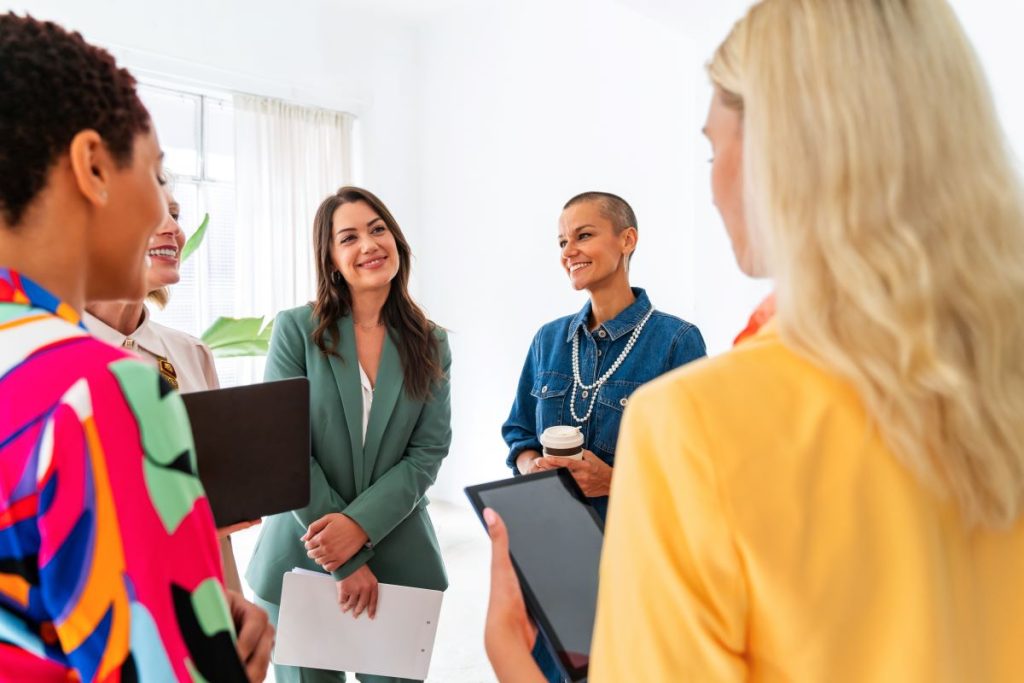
x: 252, y: 445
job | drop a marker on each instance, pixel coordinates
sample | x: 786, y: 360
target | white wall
x: 994, y: 27
x: 480, y: 118
x: 724, y: 297
x: 315, y: 52
x: 524, y: 105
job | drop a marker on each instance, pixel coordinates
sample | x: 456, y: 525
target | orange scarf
x: 762, y: 314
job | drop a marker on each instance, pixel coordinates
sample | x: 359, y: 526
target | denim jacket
x: 546, y: 383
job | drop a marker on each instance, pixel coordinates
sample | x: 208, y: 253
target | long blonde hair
x: 880, y: 187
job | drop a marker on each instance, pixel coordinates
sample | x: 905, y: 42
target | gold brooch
x: 167, y: 370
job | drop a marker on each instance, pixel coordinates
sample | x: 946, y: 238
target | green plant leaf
x: 236, y: 337
x: 196, y: 239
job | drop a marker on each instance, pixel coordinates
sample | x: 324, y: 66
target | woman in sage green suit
x: 362, y: 342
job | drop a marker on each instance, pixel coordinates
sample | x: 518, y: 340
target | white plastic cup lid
x: 562, y: 437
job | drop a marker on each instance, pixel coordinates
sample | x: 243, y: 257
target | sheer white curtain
x: 287, y: 159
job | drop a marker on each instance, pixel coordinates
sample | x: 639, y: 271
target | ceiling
x: 687, y: 15
x: 404, y: 10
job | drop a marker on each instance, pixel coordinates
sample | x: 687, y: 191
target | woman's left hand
x: 509, y: 635
x: 333, y: 540
x: 592, y: 474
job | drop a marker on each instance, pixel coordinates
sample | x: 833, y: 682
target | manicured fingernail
x: 490, y: 517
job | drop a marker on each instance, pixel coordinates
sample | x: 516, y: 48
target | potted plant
x: 230, y: 337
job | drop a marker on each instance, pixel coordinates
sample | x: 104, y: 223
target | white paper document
x: 313, y: 632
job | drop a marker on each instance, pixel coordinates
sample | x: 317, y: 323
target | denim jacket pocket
x: 611, y: 401
x: 551, y: 389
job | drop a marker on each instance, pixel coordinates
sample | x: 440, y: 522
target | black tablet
x: 555, y: 539
x: 252, y: 446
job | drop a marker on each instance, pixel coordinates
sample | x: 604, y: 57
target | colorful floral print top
x: 109, y: 568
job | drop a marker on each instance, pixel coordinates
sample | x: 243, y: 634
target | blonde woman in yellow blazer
x: 838, y: 498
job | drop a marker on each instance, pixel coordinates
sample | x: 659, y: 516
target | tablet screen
x: 555, y: 540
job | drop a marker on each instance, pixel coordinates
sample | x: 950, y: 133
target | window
x: 197, y: 134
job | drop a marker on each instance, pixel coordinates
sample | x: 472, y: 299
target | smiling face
x: 165, y: 248
x: 592, y: 252
x: 363, y: 249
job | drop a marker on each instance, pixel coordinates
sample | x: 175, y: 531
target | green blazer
x: 381, y: 485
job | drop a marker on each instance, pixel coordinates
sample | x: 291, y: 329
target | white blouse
x: 191, y: 358
x: 364, y: 381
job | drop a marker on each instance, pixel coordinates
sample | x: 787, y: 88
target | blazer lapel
x: 389, y: 385
x: 346, y: 375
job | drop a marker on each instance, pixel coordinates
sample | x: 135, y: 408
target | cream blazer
x: 191, y: 359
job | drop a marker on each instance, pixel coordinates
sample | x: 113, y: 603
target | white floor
x: 459, y: 651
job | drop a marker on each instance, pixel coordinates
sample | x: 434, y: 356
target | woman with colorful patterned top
x: 108, y: 556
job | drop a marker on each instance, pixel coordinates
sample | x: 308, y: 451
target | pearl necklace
x: 596, y: 386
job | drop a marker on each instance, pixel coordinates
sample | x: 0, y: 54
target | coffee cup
x: 562, y: 441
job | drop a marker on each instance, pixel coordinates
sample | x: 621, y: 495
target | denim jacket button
x: 623, y: 402
x: 599, y: 352
x: 601, y: 333
x: 544, y: 389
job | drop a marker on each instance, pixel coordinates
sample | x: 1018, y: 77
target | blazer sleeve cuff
x: 372, y: 525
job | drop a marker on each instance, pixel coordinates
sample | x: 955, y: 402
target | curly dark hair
x: 54, y: 85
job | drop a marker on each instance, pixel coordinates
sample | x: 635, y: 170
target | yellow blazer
x: 760, y: 530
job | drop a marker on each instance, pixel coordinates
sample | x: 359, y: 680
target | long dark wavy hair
x: 412, y: 332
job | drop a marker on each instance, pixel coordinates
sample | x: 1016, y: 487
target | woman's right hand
x: 529, y: 462
x: 358, y: 592
x: 255, y: 635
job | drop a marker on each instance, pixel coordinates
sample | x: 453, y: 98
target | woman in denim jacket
x: 619, y: 341
x: 617, y: 328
